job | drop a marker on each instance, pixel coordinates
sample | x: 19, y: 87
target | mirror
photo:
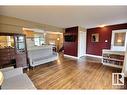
x: 6, y: 41
x: 119, y: 39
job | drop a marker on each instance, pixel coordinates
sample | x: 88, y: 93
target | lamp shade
x: 1, y: 78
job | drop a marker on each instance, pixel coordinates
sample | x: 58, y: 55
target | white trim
x: 120, y: 30
x: 90, y: 55
x: 93, y: 55
x: 71, y: 56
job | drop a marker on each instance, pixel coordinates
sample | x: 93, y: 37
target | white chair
x: 16, y: 79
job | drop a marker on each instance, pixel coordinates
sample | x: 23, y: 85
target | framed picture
x: 95, y: 37
x: 119, y: 39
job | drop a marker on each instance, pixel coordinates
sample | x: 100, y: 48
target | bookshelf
x: 113, y: 58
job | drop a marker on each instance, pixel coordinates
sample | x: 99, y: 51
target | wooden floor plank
x: 66, y: 73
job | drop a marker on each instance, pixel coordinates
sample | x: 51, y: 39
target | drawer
x: 4, y: 50
x: 5, y: 58
x: 4, y: 62
x: 12, y: 53
x: 12, y: 57
x: 11, y: 50
x: 5, y: 54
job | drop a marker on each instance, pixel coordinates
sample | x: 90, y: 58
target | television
x: 70, y: 38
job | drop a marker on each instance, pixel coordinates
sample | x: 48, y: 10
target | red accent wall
x: 105, y: 33
x: 70, y: 48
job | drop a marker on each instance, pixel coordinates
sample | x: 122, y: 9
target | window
x: 38, y: 41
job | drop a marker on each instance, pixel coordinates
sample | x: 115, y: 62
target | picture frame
x: 95, y: 37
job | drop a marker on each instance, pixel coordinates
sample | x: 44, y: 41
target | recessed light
x: 119, y: 40
x: 58, y: 39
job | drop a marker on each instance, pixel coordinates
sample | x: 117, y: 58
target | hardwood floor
x: 67, y: 73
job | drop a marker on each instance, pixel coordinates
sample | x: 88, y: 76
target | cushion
x: 18, y: 82
x: 12, y: 72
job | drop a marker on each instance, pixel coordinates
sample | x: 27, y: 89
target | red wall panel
x: 70, y: 48
x: 105, y: 33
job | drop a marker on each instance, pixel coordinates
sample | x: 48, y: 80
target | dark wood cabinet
x: 71, y: 47
x: 7, y: 56
x: 21, y: 60
x: 16, y: 54
x: 20, y: 50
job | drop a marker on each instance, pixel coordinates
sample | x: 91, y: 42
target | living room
x: 63, y: 47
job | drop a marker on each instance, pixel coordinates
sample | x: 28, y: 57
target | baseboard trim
x: 94, y: 56
x: 71, y: 56
x: 74, y: 57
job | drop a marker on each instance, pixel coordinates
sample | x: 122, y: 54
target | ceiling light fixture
x: 103, y: 25
x: 58, y: 39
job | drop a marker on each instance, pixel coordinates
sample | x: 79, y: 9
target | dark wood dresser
x: 15, y: 54
x: 7, y: 57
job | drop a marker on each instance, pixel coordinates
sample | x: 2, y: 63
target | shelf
x: 113, y: 52
x: 113, y: 59
x: 112, y: 65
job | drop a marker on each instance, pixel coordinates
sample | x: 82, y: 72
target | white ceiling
x: 68, y: 16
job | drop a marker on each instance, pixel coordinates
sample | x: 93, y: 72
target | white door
x: 81, y: 43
